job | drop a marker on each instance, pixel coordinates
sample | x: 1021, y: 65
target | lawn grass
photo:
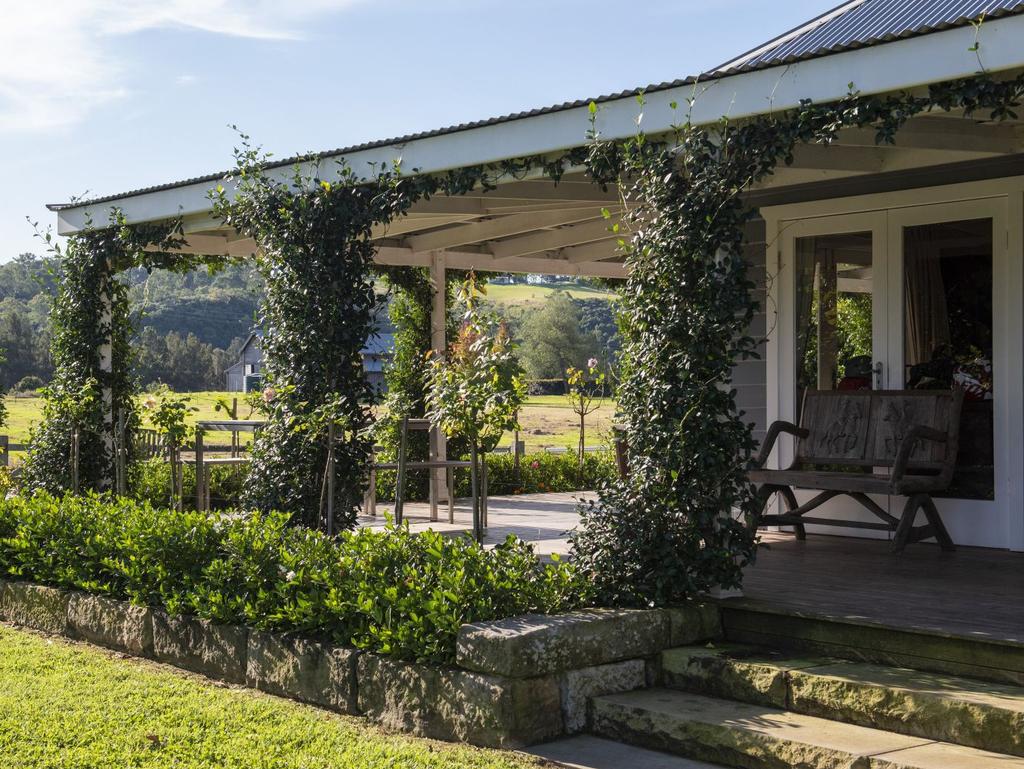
x: 547, y: 420
x: 72, y: 705
x: 519, y: 294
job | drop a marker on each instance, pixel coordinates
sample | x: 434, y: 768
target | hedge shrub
x: 538, y: 473
x: 385, y: 590
x: 151, y: 482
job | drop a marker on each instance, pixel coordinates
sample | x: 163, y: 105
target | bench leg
x: 906, y: 532
x: 906, y: 525
x: 931, y: 512
x: 791, y: 505
x: 764, y: 495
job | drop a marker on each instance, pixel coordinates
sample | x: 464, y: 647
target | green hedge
x: 151, y: 482
x: 538, y: 473
x: 389, y: 591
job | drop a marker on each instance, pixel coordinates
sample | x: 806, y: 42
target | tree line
x: 191, y: 327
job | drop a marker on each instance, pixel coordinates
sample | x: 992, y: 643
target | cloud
x: 55, y: 60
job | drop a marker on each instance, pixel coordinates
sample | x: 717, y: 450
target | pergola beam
x: 551, y: 240
x: 943, y: 133
x: 467, y: 260
x: 591, y: 252
x: 504, y: 227
x: 547, y: 190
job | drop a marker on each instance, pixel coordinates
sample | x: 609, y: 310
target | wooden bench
x: 855, y: 443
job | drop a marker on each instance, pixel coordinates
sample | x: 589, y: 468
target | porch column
x: 1014, y: 330
x: 438, y: 343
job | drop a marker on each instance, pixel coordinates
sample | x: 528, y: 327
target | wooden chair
x: 204, y: 463
x: 402, y: 465
x: 846, y: 437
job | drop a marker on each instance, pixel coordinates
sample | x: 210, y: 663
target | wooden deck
x: 971, y: 592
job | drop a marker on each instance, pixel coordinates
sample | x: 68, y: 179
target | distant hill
x: 191, y: 325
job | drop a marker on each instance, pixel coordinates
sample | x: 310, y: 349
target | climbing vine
x: 411, y: 297
x: 315, y: 256
x: 678, y: 525
x: 88, y: 396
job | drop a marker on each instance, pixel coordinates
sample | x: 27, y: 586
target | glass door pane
x: 947, y: 333
x: 835, y: 287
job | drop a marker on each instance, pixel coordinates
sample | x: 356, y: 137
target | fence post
x: 120, y: 456
x: 200, y: 473
x: 515, y: 452
x: 4, y: 452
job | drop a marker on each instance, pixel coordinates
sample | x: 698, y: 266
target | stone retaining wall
x: 517, y: 681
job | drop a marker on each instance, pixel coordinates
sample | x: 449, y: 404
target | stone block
x: 458, y: 705
x: 535, y: 645
x: 35, y: 606
x: 728, y: 672
x: 111, y: 623
x: 577, y: 687
x: 216, y: 651
x: 693, y: 623
x: 302, y: 669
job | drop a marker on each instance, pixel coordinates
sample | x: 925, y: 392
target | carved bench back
x: 866, y: 427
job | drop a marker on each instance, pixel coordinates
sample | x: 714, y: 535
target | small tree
x: 586, y: 394
x: 477, y: 388
x: 553, y: 338
x: 167, y: 413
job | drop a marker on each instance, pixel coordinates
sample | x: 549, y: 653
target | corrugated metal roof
x: 854, y: 24
x: 860, y: 23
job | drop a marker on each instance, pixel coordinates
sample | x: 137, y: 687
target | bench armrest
x: 777, y: 428
x: 915, y: 434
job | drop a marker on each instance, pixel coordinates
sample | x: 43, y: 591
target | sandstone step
x: 586, y: 752
x: 933, y: 706
x: 750, y: 736
x: 756, y: 622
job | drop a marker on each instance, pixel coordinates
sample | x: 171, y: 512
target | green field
x: 525, y: 294
x: 547, y: 420
x: 64, y: 704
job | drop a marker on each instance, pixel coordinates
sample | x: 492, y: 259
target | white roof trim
x: 894, y: 66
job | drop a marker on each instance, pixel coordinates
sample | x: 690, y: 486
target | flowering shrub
x: 477, y: 388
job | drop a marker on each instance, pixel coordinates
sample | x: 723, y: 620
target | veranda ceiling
x: 534, y: 225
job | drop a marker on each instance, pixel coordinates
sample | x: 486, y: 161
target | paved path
x: 544, y: 520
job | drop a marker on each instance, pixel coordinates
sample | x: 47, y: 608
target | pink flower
x: 268, y: 394
x: 592, y: 363
x: 535, y: 465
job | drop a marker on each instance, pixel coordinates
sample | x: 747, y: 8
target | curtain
x: 926, y: 324
x: 806, y: 263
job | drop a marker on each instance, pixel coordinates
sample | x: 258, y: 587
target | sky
x: 104, y: 96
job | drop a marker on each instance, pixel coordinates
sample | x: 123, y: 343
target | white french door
x: 964, y: 243
x: 907, y: 296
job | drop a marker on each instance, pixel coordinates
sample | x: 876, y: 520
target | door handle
x: 878, y: 370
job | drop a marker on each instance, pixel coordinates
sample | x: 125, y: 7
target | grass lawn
x: 75, y: 706
x: 525, y: 293
x: 547, y: 420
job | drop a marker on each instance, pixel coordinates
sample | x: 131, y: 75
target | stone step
x: 587, y: 752
x: 740, y: 734
x: 751, y: 621
x: 939, y: 707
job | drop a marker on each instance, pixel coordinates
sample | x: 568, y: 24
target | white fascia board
x: 894, y: 66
